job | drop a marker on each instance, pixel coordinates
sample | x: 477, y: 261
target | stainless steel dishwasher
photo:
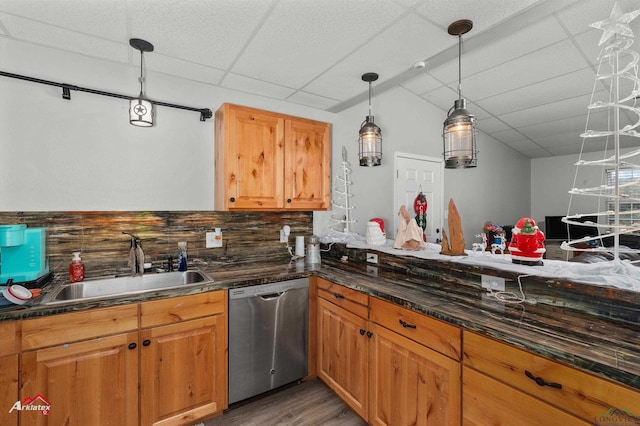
x: 268, y: 337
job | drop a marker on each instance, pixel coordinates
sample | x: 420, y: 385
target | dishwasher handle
x: 272, y: 296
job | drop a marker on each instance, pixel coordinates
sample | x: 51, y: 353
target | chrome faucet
x: 136, y: 255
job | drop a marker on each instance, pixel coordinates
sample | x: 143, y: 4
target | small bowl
x: 17, y: 294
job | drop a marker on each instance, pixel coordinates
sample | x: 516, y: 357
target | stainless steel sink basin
x: 97, y: 288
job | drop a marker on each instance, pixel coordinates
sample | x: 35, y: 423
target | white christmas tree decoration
x: 341, y: 221
x: 612, y: 122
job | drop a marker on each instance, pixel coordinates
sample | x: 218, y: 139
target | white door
x: 415, y: 173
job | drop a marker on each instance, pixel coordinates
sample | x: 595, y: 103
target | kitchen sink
x: 96, y: 288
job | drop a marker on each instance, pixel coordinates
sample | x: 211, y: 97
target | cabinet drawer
x: 349, y: 299
x: 432, y: 333
x: 176, y: 309
x: 486, y: 401
x: 71, y: 327
x: 582, y: 394
x: 9, y: 339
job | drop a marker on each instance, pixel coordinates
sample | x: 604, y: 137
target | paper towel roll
x: 300, y: 245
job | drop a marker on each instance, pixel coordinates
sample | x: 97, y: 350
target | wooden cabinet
x: 183, y: 368
x: 503, y: 383
x: 412, y: 384
x: 86, y: 371
x: 162, y: 362
x: 343, y: 347
x: 384, y: 376
x: 9, y: 367
x: 270, y: 161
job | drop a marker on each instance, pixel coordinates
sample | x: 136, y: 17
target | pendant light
x: 140, y: 109
x: 459, y: 134
x: 370, y: 135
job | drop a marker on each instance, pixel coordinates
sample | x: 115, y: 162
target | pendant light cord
x: 369, y: 98
x: 459, y: 66
x: 141, y: 73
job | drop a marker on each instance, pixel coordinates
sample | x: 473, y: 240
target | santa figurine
x: 527, y: 243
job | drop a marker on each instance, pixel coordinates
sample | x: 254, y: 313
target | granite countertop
x: 607, y: 348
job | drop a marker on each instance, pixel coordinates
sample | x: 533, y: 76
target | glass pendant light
x: 141, y: 109
x: 370, y: 135
x: 459, y: 134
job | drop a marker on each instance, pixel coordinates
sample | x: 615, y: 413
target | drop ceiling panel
x: 492, y: 125
x: 581, y: 14
x: 301, y: 39
x: 343, y: 81
x: 573, y: 125
x: 60, y: 38
x: 555, y: 89
x: 422, y: 83
x: 553, y: 61
x: 208, y: 32
x: 484, y: 13
x: 509, y: 136
x: 545, y: 113
x: 105, y: 19
x: 178, y: 67
x: 311, y: 100
x: 259, y: 87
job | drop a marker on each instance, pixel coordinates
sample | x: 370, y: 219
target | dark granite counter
x: 603, y: 344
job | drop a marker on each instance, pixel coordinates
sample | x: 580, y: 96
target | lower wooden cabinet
x: 182, y: 373
x: 9, y: 368
x: 86, y: 383
x: 505, y: 383
x: 410, y: 383
x: 343, y: 357
x: 97, y: 367
x: 386, y: 378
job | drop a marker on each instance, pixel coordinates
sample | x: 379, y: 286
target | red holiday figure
x: 527, y: 243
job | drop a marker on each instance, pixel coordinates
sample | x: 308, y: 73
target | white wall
x: 82, y: 154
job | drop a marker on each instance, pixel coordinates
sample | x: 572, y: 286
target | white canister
x: 300, y: 245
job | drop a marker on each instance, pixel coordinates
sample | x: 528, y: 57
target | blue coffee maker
x: 22, y: 253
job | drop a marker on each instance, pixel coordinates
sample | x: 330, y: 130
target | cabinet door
x: 86, y: 383
x: 411, y: 384
x: 307, y: 176
x: 8, y: 389
x: 250, y: 155
x: 489, y: 402
x: 183, y: 370
x: 343, y: 354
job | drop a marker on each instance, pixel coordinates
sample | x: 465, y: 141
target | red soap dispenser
x: 76, y: 268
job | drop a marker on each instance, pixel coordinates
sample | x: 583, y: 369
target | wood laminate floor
x: 306, y: 404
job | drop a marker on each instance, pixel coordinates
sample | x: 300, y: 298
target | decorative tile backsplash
x: 247, y: 236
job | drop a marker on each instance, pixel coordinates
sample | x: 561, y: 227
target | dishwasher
x: 268, y: 337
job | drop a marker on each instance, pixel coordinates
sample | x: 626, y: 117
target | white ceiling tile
x: 509, y: 136
x: 530, y: 149
x: 492, y: 125
x: 422, y: 83
x: 301, y: 39
x: 443, y: 97
x: 259, y: 87
x: 180, y: 68
x: 572, y: 125
x: 60, y: 38
x: 578, y: 16
x: 100, y: 18
x: 484, y: 14
x: 212, y: 32
x: 566, y: 86
x: 343, y: 80
x: 553, y: 61
x: 550, y: 112
x: 311, y: 100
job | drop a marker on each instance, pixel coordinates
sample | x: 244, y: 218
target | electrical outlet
x: 372, y: 270
x: 493, y: 283
x: 372, y: 258
x: 213, y: 239
x: 284, y: 234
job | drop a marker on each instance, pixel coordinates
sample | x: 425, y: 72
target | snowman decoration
x: 527, y: 243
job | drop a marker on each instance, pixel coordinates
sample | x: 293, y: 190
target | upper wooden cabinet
x: 270, y: 161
